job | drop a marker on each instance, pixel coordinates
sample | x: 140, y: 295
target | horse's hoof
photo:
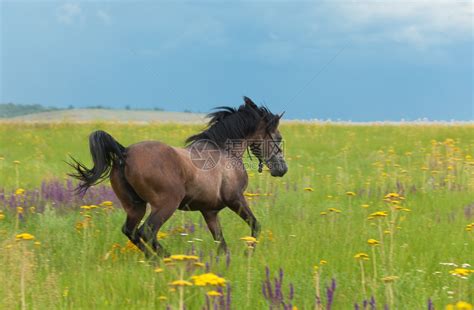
x: 222, y: 250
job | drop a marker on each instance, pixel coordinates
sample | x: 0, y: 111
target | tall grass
x: 338, y: 176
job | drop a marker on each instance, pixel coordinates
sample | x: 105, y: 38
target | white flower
x: 448, y: 264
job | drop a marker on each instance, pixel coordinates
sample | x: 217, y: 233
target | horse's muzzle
x: 279, y: 169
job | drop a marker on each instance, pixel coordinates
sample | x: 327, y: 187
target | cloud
x: 69, y: 13
x: 419, y: 23
x: 425, y: 26
x: 104, y: 17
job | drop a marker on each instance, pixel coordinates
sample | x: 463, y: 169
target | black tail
x: 105, y: 151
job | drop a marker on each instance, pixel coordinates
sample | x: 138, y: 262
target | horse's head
x: 267, y: 142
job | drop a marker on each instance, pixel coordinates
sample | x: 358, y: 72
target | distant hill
x: 39, y: 113
x: 11, y: 109
x: 86, y: 115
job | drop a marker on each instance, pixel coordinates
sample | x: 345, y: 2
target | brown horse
x: 207, y: 175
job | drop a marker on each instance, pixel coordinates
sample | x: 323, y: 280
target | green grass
x: 68, y: 269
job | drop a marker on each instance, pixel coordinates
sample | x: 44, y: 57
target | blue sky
x: 359, y: 61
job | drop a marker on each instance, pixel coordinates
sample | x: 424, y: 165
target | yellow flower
x: 19, y: 191
x: 161, y: 235
x: 130, y: 247
x: 389, y: 279
x: 214, y: 294
x: 308, y: 189
x: 461, y: 272
x: 373, y: 242
x: 16, y: 162
x: 2, y: 216
x: 86, y: 207
x: 249, y: 239
x: 158, y: 270
x: 460, y: 305
x: 463, y: 305
x: 361, y: 256
x: 19, y: 210
x: 323, y: 213
x: 181, y: 257
x: 246, y: 194
x: 378, y: 214
x: 365, y: 206
x: 323, y: 262
x: 80, y: 226
x: 392, y: 196
x: 181, y: 283
x: 25, y: 236
x: 37, y: 243
x: 208, y: 279
x: 334, y: 210
x: 350, y: 193
x: 163, y: 298
x: 107, y: 203
x: 198, y: 264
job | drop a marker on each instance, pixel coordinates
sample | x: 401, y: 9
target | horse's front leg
x: 212, y: 221
x: 241, y: 207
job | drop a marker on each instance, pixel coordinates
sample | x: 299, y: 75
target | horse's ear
x: 281, y: 115
x: 250, y: 103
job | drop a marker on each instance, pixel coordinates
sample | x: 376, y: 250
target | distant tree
x: 127, y: 107
x: 99, y: 106
x: 13, y: 109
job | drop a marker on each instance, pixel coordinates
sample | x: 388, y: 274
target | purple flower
x: 330, y: 294
x: 273, y: 291
x: 430, y: 304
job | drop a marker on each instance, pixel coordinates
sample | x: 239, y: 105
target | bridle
x: 260, y: 161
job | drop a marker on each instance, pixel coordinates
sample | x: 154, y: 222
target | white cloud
x: 69, y: 13
x: 104, y: 17
x: 420, y: 23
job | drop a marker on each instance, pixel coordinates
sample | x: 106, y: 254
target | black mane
x: 231, y: 123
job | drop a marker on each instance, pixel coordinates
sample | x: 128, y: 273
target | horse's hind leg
x: 161, y: 210
x: 133, y: 205
x: 135, y: 213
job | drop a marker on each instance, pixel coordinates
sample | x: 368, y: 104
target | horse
x: 206, y: 175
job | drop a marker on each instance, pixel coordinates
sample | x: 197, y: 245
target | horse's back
x: 153, y: 167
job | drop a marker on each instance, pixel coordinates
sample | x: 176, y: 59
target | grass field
x: 410, y: 188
